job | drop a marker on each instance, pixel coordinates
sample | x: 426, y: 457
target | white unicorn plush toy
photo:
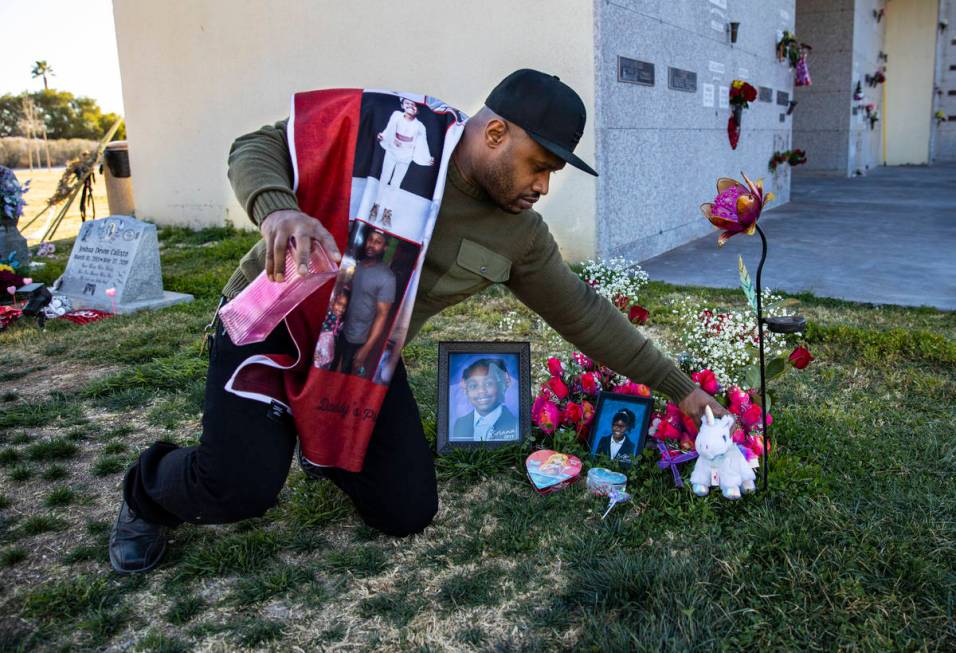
x: 720, y: 460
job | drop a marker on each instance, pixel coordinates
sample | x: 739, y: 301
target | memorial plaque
x: 681, y: 80
x: 118, y: 254
x: 633, y: 71
x: 783, y: 98
x: 766, y: 94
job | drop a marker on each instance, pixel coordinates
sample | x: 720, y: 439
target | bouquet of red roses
x: 567, y: 399
x: 741, y: 95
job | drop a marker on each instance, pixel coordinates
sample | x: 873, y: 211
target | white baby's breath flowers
x: 725, y: 341
x: 615, y: 277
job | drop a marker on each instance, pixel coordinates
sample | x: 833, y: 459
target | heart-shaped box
x: 550, y: 471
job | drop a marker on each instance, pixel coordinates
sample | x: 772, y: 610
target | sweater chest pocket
x: 475, y: 268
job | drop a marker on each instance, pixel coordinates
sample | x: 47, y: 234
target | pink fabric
x: 263, y: 304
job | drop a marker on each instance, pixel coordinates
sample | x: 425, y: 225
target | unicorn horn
x: 710, y: 415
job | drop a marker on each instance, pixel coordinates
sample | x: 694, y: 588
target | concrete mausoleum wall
x: 944, y: 135
x: 821, y: 121
x: 660, y: 150
x: 198, y: 73
x: 866, y: 144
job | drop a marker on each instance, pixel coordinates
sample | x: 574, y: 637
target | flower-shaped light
x: 736, y: 207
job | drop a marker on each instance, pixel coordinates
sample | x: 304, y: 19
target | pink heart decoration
x: 27, y: 281
x: 111, y: 292
x: 11, y: 289
x: 550, y: 471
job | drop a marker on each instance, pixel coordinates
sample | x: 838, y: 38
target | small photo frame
x: 620, y: 426
x: 484, y: 391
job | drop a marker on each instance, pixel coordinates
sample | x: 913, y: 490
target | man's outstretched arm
x: 545, y: 283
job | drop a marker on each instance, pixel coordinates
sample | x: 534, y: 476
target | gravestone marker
x: 120, y: 253
x: 633, y: 71
x: 681, y: 80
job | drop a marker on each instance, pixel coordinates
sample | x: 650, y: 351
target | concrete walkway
x: 886, y: 238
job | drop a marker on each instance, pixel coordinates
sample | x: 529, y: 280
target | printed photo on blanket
x: 480, y: 396
x: 619, y: 430
x: 396, y: 167
x: 356, y: 336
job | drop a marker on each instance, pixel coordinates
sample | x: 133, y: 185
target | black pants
x: 242, y: 459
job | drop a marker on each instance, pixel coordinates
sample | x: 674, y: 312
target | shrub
x: 15, y: 151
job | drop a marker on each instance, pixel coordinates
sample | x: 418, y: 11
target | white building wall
x: 661, y: 150
x: 944, y: 135
x: 198, y: 73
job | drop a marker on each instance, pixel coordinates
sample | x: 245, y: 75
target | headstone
x: 681, y: 80
x: 118, y: 255
x: 12, y: 243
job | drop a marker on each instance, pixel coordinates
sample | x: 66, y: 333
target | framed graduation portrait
x: 484, y: 391
x: 620, y: 426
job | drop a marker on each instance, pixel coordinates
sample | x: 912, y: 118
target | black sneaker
x: 136, y: 545
x: 312, y: 472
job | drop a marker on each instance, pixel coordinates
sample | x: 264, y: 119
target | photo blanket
x: 370, y: 165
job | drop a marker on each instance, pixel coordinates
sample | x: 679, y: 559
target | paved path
x: 887, y: 238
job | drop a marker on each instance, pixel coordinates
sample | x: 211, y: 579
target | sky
x: 77, y: 39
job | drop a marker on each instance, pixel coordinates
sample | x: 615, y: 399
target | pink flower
x: 549, y: 416
x: 736, y: 207
x: 755, y: 444
x: 739, y: 400
x: 573, y: 414
x: 631, y: 388
x: 588, y: 409
x: 800, y: 357
x: 555, y: 366
x: 752, y: 417
x: 739, y: 436
x: 590, y: 382
x: 582, y: 360
x: 556, y: 385
x: 638, y: 314
x: 707, y: 381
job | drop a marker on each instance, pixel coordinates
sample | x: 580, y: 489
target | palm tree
x: 42, y: 69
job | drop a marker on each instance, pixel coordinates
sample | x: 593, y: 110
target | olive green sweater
x: 474, y: 245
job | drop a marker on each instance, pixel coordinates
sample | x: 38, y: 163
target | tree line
x: 63, y: 114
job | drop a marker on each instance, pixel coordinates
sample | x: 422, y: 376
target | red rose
x: 749, y: 92
x: 591, y: 383
x: 557, y: 386
x: 800, y: 357
x: 572, y: 415
x: 555, y: 366
x: 548, y: 417
x: 689, y: 426
x: 752, y: 417
x: 620, y: 302
x: 638, y: 314
x: 707, y: 381
x: 666, y: 431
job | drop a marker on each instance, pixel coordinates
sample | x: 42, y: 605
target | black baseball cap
x: 545, y: 107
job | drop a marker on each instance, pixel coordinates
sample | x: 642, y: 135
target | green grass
x: 12, y: 556
x: 61, y: 496
x: 851, y: 549
x: 54, y: 473
x: 106, y: 465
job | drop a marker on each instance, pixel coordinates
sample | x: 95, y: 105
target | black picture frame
x: 609, y: 403
x: 452, y: 355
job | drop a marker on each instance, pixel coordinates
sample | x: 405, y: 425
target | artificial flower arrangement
x: 741, y: 95
x: 788, y: 48
x: 872, y: 114
x: 877, y: 78
x: 790, y: 157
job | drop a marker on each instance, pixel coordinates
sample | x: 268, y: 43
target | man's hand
x: 279, y: 226
x: 358, y: 361
x: 693, y: 405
